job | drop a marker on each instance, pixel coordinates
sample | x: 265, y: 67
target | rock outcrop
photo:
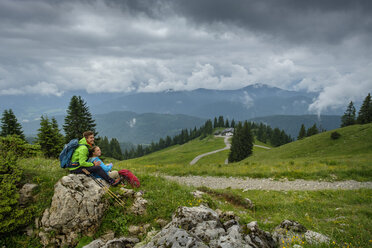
x: 115, y: 243
x: 291, y: 232
x: 77, y: 208
x: 203, y: 227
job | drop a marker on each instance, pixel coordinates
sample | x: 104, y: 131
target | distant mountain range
x: 245, y: 103
x: 249, y: 102
x: 145, y: 117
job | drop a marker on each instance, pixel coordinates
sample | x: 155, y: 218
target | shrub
x: 335, y: 135
x: 12, y: 216
x: 18, y: 146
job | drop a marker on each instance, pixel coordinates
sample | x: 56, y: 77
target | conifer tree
x: 242, y: 142
x: 13, y: 217
x: 115, y: 149
x: 105, y: 147
x: 10, y: 125
x: 227, y: 124
x: 312, y: 131
x: 302, y: 133
x: 49, y: 137
x: 365, y: 111
x: 232, y: 123
x: 78, y: 119
x: 215, y: 123
x: 221, y: 122
x: 349, y: 116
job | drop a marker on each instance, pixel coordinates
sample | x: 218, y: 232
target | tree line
x: 364, y: 114
x: 309, y: 132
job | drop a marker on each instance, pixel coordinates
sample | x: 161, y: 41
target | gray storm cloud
x: 51, y: 47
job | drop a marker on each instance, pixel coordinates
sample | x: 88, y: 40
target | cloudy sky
x: 50, y: 47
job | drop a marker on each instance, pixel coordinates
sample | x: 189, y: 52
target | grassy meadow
x: 343, y: 215
x: 313, y: 158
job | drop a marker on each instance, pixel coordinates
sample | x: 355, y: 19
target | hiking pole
x: 112, y: 194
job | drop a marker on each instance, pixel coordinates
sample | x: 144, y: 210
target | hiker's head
x: 89, y: 136
x: 95, y: 151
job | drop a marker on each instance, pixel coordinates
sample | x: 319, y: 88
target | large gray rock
x: 123, y: 242
x: 203, y: 227
x: 77, y: 208
x: 259, y: 238
x: 289, y: 232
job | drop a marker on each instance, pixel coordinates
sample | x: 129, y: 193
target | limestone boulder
x: 76, y: 209
x: 203, y: 227
x: 291, y: 232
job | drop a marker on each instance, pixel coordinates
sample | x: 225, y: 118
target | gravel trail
x: 227, y: 147
x: 267, y: 183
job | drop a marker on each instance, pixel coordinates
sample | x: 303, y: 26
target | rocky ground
x: 266, y: 183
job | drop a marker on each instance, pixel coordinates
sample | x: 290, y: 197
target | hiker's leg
x: 100, y: 172
x: 77, y: 171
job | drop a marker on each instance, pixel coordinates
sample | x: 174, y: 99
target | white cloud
x: 247, y: 100
x: 132, y: 122
x: 350, y: 87
x: 42, y: 88
x: 102, y: 46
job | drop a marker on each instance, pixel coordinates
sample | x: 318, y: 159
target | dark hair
x: 91, y: 151
x: 87, y: 134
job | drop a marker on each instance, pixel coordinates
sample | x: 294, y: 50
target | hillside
x: 343, y: 215
x: 355, y: 140
x: 311, y: 158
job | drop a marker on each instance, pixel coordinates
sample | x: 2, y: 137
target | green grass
x: 344, y: 216
x: 313, y: 158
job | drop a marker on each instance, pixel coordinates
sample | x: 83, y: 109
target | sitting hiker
x: 94, y: 154
x: 80, y: 157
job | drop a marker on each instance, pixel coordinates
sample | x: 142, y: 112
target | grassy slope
x: 311, y: 158
x: 345, y: 216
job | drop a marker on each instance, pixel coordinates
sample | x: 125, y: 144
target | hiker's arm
x: 83, y: 156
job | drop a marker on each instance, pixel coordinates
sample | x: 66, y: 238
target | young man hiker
x: 80, y: 157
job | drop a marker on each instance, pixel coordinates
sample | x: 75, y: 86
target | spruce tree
x: 115, y: 149
x: 78, y: 119
x: 349, y: 116
x: 13, y: 217
x: 276, y: 137
x: 105, y: 147
x: 215, y: 123
x: 227, y: 124
x: 312, y: 131
x: 242, y: 142
x: 49, y: 138
x: 302, y: 133
x: 221, y: 122
x: 10, y: 125
x: 365, y: 111
x: 232, y: 123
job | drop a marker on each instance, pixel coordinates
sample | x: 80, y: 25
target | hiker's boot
x: 116, y: 182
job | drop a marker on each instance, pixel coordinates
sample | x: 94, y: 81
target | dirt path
x: 267, y: 184
x: 226, y: 140
x: 228, y: 145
